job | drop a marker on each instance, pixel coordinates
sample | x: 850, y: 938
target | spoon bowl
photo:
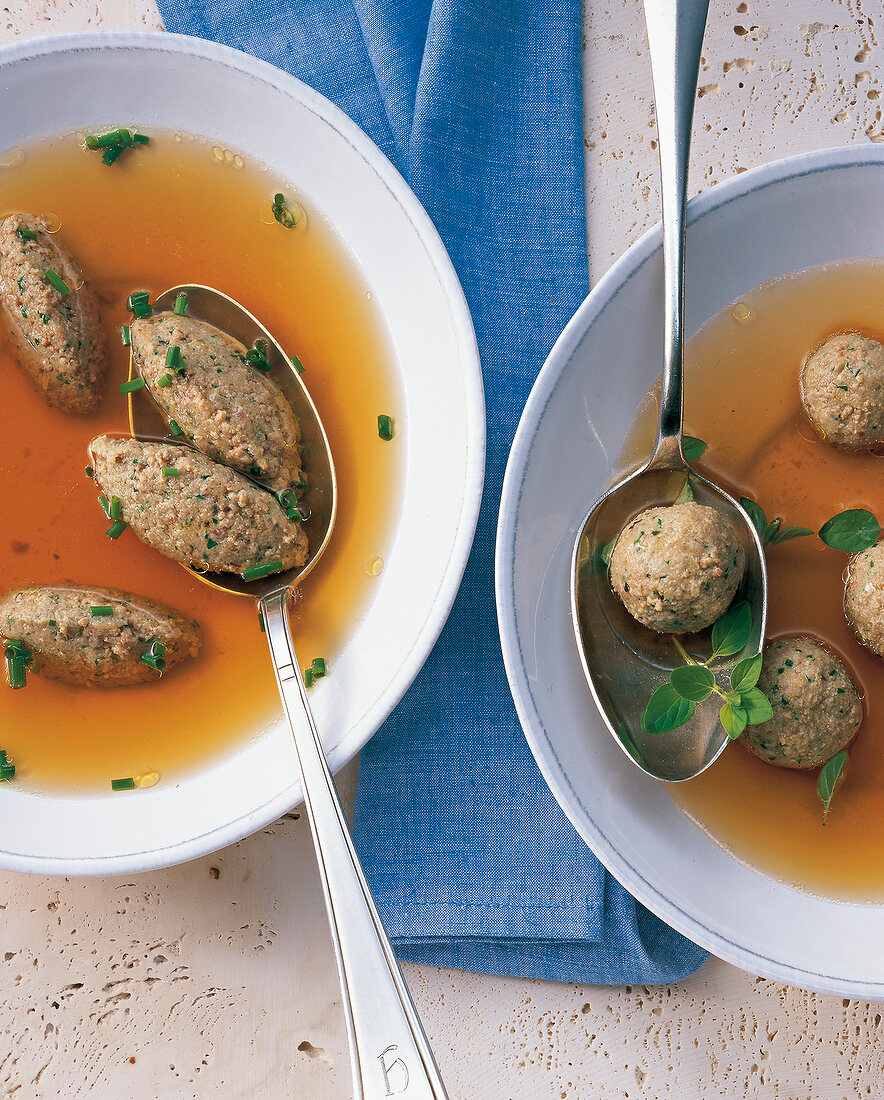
x: 147, y: 421
x: 625, y: 662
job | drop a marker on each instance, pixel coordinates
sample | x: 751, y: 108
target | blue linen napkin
x: 479, y: 105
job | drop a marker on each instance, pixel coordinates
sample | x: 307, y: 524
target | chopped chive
x: 25, y: 234
x: 257, y: 356
x: 281, y: 212
x: 180, y: 307
x: 138, y: 303
x: 261, y: 622
x: 174, y: 426
x: 111, y: 154
x: 297, y: 364
x: 116, y: 508
x: 127, y: 784
x: 318, y: 667
x: 101, y: 611
x: 55, y: 280
x: 140, y: 139
x: 173, y: 358
x: 169, y: 471
x: 112, y: 137
x: 105, y: 506
x: 385, y: 426
x: 132, y: 385
x: 116, y: 529
x: 155, y: 656
x: 90, y: 472
x: 259, y: 571
x: 7, y: 770
x: 308, y: 677
x: 165, y: 380
x: 125, y: 336
x: 18, y: 659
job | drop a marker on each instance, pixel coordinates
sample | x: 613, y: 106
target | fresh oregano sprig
x: 827, y: 783
x: 853, y: 530
x: 744, y: 704
x: 773, y: 533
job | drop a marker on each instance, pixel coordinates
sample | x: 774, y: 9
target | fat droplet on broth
x: 146, y: 779
x: 741, y: 313
x: 374, y: 566
x: 12, y: 158
x: 53, y: 221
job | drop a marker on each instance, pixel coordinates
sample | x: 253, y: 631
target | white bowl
x: 778, y: 218
x: 54, y: 85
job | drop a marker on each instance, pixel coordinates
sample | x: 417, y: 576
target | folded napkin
x: 479, y: 105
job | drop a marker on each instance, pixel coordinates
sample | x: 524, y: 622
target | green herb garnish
x: 257, y: 356
x: 165, y: 380
x: 56, y: 282
x: 385, y: 426
x: 138, y: 303
x: 259, y: 571
x: 174, y: 427
x: 101, y: 611
x: 155, y: 657
x: 851, y: 531
x: 297, y: 364
x: 24, y: 234
x: 114, y: 143
x: 173, y: 358
x: 132, y: 385
x: 744, y: 704
x: 116, y: 529
x: 125, y: 336
x: 692, y: 447
x: 7, y: 768
x: 282, y: 213
x: 169, y: 471
x: 18, y: 660
x: 773, y: 533
x: 180, y: 307
x: 90, y: 472
x: 116, y: 508
x: 318, y: 667
x: 828, y: 780
x: 127, y: 784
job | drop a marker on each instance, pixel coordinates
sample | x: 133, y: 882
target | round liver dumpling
x: 864, y: 597
x: 842, y: 388
x: 816, y: 707
x: 676, y: 567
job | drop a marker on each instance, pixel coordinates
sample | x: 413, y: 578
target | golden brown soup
x: 742, y: 397
x: 183, y: 210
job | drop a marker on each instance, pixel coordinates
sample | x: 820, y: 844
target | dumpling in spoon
x: 677, y: 567
x: 224, y: 405
x: 196, y: 511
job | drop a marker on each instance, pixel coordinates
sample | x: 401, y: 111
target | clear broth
x: 183, y: 210
x: 742, y: 397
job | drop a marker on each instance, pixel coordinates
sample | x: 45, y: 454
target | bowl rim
x: 463, y: 336
x: 569, y: 799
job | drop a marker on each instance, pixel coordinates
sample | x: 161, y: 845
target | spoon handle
x: 675, y: 36
x: 390, y: 1055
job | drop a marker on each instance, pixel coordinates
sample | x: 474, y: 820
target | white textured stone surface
x: 216, y: 978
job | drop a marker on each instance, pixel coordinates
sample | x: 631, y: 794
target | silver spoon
x: 624, y: 662
x: 389, y: 1051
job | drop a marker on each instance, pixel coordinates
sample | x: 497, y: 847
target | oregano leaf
x: 666, y: 710
x: 784, y: 534
x: 851, y: 531
x: 757, y: 707
x: 734, y: 720
x: 692, y: 682
x: 756, y: 513
x: 746, y: 673
x: 731, y: 633
x: 692, y: 447
x: 828, y: 780
x: 687, y: 493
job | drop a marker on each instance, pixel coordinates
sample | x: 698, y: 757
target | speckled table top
x: 216, y: 978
